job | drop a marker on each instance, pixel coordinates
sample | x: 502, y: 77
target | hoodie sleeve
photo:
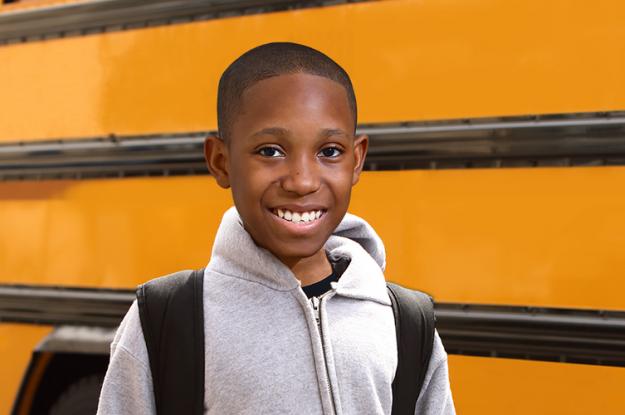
x: 435, y: 397
x: 127, y: 387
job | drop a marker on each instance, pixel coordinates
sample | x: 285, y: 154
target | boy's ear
x: 216, y: 156
x: 361, y: 144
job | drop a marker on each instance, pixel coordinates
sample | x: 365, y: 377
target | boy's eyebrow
x: 275, y: 131
x: 327, y: 132
x: 283, y: 132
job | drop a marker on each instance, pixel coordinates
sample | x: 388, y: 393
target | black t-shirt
x: 339, y: 264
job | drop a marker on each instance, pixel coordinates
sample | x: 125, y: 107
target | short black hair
x: 269, y: 60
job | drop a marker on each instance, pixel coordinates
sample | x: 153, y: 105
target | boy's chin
x: 295, y: 252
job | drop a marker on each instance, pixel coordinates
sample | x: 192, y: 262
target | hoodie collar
x: 236, y: 254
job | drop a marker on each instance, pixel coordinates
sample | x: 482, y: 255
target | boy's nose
x: 302, y: 177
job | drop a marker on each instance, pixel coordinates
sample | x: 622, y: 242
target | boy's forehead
x: 294, y: 96
x: 296, y: 82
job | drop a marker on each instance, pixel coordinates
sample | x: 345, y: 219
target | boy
x: 297, y: 317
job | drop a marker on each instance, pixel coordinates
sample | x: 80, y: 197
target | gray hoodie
x: 271, y: 350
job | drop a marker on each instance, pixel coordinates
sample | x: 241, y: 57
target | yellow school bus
x: 495, y: 177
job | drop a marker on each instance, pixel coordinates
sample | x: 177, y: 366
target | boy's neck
x: 311, y: 269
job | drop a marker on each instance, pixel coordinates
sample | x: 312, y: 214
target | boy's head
x: 287, y: 146
x: 268, y: 61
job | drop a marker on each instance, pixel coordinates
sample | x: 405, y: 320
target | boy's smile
x: 291, y: 160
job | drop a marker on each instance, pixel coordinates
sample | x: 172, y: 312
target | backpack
x: 172, y: 318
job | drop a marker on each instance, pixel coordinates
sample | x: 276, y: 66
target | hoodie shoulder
x: 127, y: 386
x: 435, y: 397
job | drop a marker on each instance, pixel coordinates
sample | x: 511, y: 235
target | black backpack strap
x: 172, y: 318
x: 414, y: 327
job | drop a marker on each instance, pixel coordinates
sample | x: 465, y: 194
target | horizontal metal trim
x: 89, y: 17
x: 561, y: 140
x: 546, y: 334
x: 487, y: 124
x: 63, y: 305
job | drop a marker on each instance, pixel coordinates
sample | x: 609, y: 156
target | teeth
x: 297, y: 217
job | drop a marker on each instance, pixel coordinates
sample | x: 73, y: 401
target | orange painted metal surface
x: 106, y: 233
x: 545, y: 237
x: 410, y: 60
x: 482, y: 385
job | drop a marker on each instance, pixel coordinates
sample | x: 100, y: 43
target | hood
x: 358, y: 230
x: 237, y: 255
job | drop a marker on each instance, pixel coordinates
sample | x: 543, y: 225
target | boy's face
x: 291, y: 161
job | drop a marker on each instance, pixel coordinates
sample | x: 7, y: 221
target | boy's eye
x: 331, y: 152
x: 270, y: 152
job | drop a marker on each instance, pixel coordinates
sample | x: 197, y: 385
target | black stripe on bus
x: 563, y: 140
x: 92, y: 17
x: 588, y: 336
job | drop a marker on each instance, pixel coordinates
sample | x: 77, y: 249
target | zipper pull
x: 315, y: 305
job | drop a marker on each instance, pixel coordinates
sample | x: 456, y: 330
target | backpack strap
x: 414, y: 327
x: 172, y: 318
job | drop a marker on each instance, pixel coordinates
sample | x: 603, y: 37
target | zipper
x: 316, y: 305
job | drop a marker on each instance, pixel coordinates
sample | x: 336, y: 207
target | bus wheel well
x: 63, y: 371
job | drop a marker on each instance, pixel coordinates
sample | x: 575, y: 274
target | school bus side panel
x: 409, y: 60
